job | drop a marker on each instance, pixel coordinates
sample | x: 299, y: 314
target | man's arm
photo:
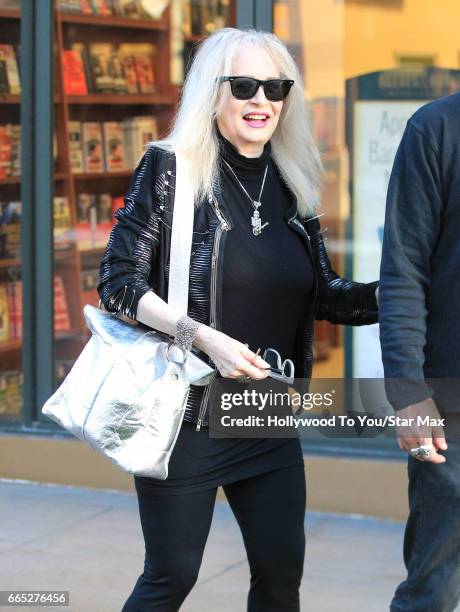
x: 412, y: 223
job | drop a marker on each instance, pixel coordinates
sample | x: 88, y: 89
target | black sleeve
x: 126, y: 264
x: 340, y: 301
x: 412, y: 223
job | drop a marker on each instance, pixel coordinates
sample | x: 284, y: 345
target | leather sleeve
x: 339, y: 300
x: 126, y: 264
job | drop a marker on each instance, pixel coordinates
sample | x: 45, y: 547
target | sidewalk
x: 89, y: 541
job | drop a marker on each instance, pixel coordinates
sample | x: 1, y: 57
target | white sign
x: 378, y: 128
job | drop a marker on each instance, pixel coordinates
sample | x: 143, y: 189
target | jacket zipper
x: 223, y: 225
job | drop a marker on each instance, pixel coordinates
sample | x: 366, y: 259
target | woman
x: 259, y: 275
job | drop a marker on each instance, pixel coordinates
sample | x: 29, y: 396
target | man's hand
x: 417, y: 434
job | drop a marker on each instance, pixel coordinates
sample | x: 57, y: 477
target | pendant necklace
x: 256, y: 221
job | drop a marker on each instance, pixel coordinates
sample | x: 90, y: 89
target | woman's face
x: 249, y: 136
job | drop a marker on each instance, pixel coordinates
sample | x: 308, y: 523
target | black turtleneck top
x: 267, y: 279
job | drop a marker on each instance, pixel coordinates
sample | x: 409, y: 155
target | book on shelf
x: 74, y: 73
x: 62, y: 223
x: 10, y: 230
x: 14, y: 299
x: 6, y: 151
x: 11, y: 309
x: 94, y: 220
x: 10, y: 150
x: 69, y: 6
x: 15, y: 133
x: 100, y: 57
x: 102, y: 7
x: 89, y: 282
x: 117, y: 202
x: 137, y: 133
x: 113, y: 146
x: 61, y: 313
x: 85, y: 201
x: 128, y: 8
x: 134, y: 9
x: 143, y: 64
x: 138, y: 58
x: 129, y: 68
x: 9, y: 71
x: 10, y: 4
x: 4, y: 315
x: 93, y: 154
x: 109, y: 68
x: 202, y: 17
x: 75, y: 148
x: 82, y: 51
x: 11, y: 392
x: 86, y: 7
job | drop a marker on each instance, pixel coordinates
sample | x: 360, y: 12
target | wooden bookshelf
x: 72, y: 263
x: 10, y: 14
x: 102, y: 175
x: 154, y: 99
x: 16, y: 180
x: 9, y: 99
x: 114, y: 21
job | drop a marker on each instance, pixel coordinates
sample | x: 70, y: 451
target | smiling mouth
x: 256, y: 116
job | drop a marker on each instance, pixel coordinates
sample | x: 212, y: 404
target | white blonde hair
x: 193, y: 130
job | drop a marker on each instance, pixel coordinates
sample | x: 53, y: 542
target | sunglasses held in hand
x: 280, y: 371
x: 245, y: 88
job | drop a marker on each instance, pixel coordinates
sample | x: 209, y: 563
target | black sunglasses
x: 244, y: 88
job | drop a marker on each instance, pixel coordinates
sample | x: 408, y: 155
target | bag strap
x: 181, y: 238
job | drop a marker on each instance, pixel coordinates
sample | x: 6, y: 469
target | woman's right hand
x: 231, y: 357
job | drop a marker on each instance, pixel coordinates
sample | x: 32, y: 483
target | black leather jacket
x: 136, y: 260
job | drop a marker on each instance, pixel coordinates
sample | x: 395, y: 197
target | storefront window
x: 11, y: 324
x: 367, y: 66
x: 118, y: 70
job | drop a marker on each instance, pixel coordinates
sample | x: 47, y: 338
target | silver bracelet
x: 186, y: 329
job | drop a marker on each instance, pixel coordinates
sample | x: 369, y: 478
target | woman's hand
x: 231, y: 357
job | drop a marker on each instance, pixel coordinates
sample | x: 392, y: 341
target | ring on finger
x: 421, y: 452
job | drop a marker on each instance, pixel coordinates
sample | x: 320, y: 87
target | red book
x: 74, y: 73
x: 61, y: 313
x: 144, y: 72
x: 117, y: 202
x: 6, y: 151
x: 14, y: 299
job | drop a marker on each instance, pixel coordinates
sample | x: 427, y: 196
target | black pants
x: 432, y: 536
x: 270, y: 510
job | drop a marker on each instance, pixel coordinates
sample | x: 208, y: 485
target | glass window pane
x: 367, y: 66
x: 11, y: 374
x: 118, y: 68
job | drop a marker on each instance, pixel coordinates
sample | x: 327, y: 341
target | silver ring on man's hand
x: 421, y: 452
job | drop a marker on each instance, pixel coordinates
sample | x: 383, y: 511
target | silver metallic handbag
x: 127, y: 391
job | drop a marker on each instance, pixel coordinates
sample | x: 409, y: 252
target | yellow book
x: 4, y: 315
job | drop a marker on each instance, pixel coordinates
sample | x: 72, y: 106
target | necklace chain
x: 255, y: 203
x: 256, y: 221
